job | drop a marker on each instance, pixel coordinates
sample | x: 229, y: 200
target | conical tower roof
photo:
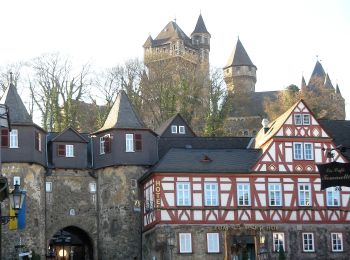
x: 318, y: 70
x: 148, y: 42
x: 122, y: 115
x: 17, y: 110
x: 337, y: 90
x: 328, y: 83
x: 200, y: 26
x: 303, y: 84
x: 171, y: 31
x: 239, y: 57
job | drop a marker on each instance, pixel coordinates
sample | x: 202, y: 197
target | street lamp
x: 263, y: 253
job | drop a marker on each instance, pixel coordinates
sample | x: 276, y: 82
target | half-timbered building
x: 249, y: 202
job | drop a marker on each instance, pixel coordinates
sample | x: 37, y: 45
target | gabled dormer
x: 26, y: 141
x: 68, y: 149
x: 124, y: 139
x: 295, y: 142
x: 176, y: 126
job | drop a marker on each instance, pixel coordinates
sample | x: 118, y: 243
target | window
x: 333, y: 197
x: 243, y: 194
x: 306, y: 119
x: 133, y: 183
x: 69, y: 150
x: 38, y: 141
x: 337, y: 242
x: 48, y: 186
x: 61, y: 150
x: 138, y: 142
x: 14, y: 138
x: 185, y: 242
x: 304, y: 195
x: 174, y: 129
x: 210, y: 194
x: 129, y: 142
x: 213, y: 242
x: 182, y: 129
x: 275, y: 194
x: 92, y: 187
x: 16, y: 180
x: 303, y: 151
x: 298, y: 119
x: 298, y: 151
x: 105, y: 144
x: 308, y: 242
x: 183, y: 193
x: 4, y: 137
x: 278, y: 241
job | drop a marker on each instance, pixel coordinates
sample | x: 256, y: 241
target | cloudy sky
x: 282, y: 38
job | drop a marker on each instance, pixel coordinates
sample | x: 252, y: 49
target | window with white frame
x: 102, y: 145
x: 306, y: 119
x: 210, y: 194
x: 298, y: 119
x: 182, y: 129
x: 278, y: 241
x: 304, y: 194
x: 243, y: 194
x: 92, y: 187
x: 303, y: 151
x: 308, y: 242
x: 183, y: 194
x: 174, y: 129
x: 213, y: 243
x: 337, y: 242
x: 185, y: 242
x: 275, y: 194
x: 69, y: 150
x: 48, y: 186
x: 14, y: 138
x: 129, y: 142
x: 16, y: 180
x: 333, y: 197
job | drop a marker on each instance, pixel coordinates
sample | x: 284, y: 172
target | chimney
x: 265, y: 124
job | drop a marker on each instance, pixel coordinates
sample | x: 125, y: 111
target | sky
x: 283, y: 38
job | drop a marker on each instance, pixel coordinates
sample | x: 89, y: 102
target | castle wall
x: 119, y: 225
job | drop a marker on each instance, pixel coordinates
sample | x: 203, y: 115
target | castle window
x: 105, y: 144
x: 174, y: 129
x: 38, y: 141
x: 92, y: 187
x: 69, y: 150
x: 337, y: 242
x: 278, y: 241
x: 183, y: 194
x: 129, y: 142
x: 304, y: 192
x: 303, y: 151
x: 213, y: 243
x: 65, y: 150
x: 308, y: 242
x: 14, y: 138
x: 333, y: 197
x: 4, y: 137
x: 182, y: 129
x: 275, y: 195
x: 245, y: 133
x: 185, y: 242
x: 306, y: 119
x: 302, y: 119
x: 211, y: 194
x: 243, y: 194
x: 48, y: 186
x: 297, y: 119
x: 16, y: 180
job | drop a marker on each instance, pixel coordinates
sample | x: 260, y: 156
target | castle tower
x: 240, y: 72
x: 201, y: 39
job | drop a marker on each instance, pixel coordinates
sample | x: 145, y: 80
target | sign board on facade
x: 334, y: 174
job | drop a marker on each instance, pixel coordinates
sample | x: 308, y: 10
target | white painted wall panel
x: 319, y: 198
x: 164, y: 215
x: 224, y: 198
x: 288, y: 154
x: 197, y: 199
x: 168, y: 186
x: 197, y: 215
x: 260, y: 187
x: 168, y: 179
x: 170, y: 198
x: 287, y: 199
x: 242, y: 179
x: 260, y: 180
x: 225, y: 187
x: 288, y: 187
x: 183, y: 179
x: 197, y: 186
x: 262, y: 198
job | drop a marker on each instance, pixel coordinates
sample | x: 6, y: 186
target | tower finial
x: 11, y: 78
x: 175, y: 19
x: 317, y: 57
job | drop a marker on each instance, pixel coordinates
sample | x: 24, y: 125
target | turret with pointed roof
x: 240, y: 72
x: 303, y: 84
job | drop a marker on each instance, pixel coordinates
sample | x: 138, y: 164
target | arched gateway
x: 70, y: 243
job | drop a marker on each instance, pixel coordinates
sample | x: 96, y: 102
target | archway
x: 70, y: 243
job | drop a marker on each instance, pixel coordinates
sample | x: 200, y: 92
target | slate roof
x: 170, y: 33
x: 65, y: 137
x: 239, y: 57
x: 207, y: 161
x: 328, y: 83
x: 122, y: 115
x: 251, y: 105
x: 148, y: 42
x: 165, y: 144
x: 17, y: 110
x: 200, y: 26
x: 318, y: 70
x: 163, y: 127
x: 339, y: 131
x: 337, y: 90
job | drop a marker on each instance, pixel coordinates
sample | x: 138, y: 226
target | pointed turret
x: 200, y: 26
x: 318, y: 77
x: 240, y: 72
x: 318, y: 70
x: 201, y: 39
x: 328, y: 83
x: 337, y: 90
x: 148, y: 43
x: 17, y: 110
x: 122, y: 115
x: 303, y: 84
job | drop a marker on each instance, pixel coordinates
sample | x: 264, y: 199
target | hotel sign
x: 334, y: 174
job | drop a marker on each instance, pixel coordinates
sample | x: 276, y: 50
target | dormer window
x: 38, y: 141
x: 65, y: 150
x: 302, y: 119
x: 14, y: 138
x: 174, y: 129
x: 182, y: 129
x: 129, y: 143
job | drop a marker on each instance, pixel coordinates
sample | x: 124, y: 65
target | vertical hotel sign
x: 157, y: 194
x: 334, y: 174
